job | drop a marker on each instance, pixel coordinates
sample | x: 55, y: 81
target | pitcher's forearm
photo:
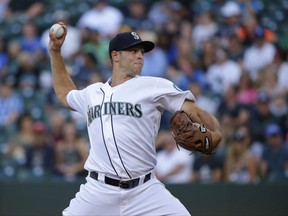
x: 62, y: 81
x: 212, y: 124
x: 203, y: 117
x: 209, y: 120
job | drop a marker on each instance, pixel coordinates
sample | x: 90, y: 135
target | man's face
x: 275, y: 140
x: 40, y: 139
x: 131, y: 61
x: 259, y: 42
x: 5, y: 90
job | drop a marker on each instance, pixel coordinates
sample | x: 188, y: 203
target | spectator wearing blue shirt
x: 11, y: 106
x: 156, y: 62
x: 274, y: 165
x: 30, y: 40
x: 3, y: 57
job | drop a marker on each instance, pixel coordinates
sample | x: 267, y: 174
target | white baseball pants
x: 151, y: 199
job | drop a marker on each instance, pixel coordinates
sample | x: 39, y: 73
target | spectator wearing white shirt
x: 223, y: 73
x: 283, y: 75
x: 259, y: 54
x: 174, y: 165
x: 204, y: 29
x: 281, y: 63
x: 103, y: 18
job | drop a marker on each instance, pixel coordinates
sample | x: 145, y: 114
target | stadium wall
x: 50, y: 198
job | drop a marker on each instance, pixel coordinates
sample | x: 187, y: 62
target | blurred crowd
x: 230, y: 54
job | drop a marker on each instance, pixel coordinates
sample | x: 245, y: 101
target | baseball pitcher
x: 123, y: 117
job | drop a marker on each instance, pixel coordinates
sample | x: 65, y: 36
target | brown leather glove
x: 191, y: 135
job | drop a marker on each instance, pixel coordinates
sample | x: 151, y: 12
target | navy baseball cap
x: 263, y: 97
x: 259, y: 32
x: 272, y: 129
x: 125, y: 40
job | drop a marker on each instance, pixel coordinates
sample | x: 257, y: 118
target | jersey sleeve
x: 168, y: 96
x: 77, y: 100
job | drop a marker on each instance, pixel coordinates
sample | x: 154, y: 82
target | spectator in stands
x: 156, y: 57
x: 281, y: 62
x: 223, y: 73
x: 29, y: 39
x: 13, y: 52
x: 205, y: 27
x: 249, y: 7
x: 274, y: 165
x: 240, y: 165
x: 163, y: 12
x: 28, y: 9
x: 230, y: 13
x: 103, y: 18
x: 136, y: 16
x: 167, y: 43
x: 268, y: 81
x: 246, y: 33
x: 11, y: 106
x: 73, y: 38
x: 13, y: 147
x: 228, y: 104
x: 34, y: 102
x: 174, y: 165
x: 97, y: 45
x: 279, y: 108
x: 40, y: 156
x: 261, y: 116
x: 27, y: 69
x: 71, y: 153
x: 235, y: 48
x: 207, y: 54
x: 278, y: 105
x: 230, y: 114
x: 204, y: 101
x: 184, y: 42
x: 191, y: 73
x: 21, y: 139
x: 246, y: 90
x: 260, y: 54
x: 3, y: 8
x: 3, y: 58
x: 207, y: 169
x: 56, y: 120
x: 84, y: 65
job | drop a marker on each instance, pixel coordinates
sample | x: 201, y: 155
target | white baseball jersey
x: 123, y: 122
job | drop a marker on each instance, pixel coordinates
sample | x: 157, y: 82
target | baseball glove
x: 190, y: 135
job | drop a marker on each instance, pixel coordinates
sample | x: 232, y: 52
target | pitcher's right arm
x: 62, y: 81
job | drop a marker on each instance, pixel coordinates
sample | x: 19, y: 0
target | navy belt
x: 119, y: 183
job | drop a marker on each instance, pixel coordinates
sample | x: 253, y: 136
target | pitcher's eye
x: 134, y: 50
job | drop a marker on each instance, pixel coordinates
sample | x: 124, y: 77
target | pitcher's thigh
x: 94, y: 200
x: 154, y: 199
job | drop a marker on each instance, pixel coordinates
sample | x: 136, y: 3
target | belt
x: 119, y: 183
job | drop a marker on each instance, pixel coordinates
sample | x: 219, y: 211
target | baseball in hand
x: 57, y: 30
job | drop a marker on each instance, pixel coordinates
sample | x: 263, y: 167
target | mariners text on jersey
x: 114, y: 108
